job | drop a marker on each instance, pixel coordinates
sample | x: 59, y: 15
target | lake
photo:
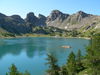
x: 30, y: 53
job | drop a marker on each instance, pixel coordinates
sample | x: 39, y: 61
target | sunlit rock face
x: 77, y: 20
x: 56, y: 14
x: 58, y: 19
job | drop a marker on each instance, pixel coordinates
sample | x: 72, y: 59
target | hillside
x: 79, y: 21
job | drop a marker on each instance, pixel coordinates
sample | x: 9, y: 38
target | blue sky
x: 22, y: 7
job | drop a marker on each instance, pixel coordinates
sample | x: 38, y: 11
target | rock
x: 41, y: 20
x: 31, y: 18
x: 56, y: 14
x: 58, y: 19
x: 17, y: 18
x: 70, y: 22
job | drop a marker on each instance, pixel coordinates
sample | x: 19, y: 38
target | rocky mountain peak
x: 2, y: 15
x: 56, y: 14
x: 40, y: 16
x: 30, y: 14
x: 82, y: 14
x: 16, y: 16
x: 31, y: 18
x: 41, y: 20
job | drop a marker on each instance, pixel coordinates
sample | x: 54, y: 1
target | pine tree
x: 93, y: 55
x: 79, y: 56
x: 79, y: 64
x: 63, y: 70
x: 13, y: 70
x: 71, y: 64
x: 53, y: 67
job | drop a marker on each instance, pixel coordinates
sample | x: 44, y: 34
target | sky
x: 22, y: 7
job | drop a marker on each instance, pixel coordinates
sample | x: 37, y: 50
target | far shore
x: 40, y: 35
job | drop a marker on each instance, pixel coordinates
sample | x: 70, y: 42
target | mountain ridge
x: 58, y: 19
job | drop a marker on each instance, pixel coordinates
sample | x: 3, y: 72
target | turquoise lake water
x: 30, y: 53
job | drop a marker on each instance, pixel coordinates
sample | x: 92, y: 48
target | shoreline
x: 87, y: 38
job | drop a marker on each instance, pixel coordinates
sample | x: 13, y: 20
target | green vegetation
x: 71, y: 64
x: 93, y: 55
x: 79, y: 63
x: 75, y: 65
x: 53, y: 67
x: 51, y: 31
x: 13, y: 71
x: 8, y: 35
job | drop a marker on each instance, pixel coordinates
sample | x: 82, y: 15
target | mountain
x: 74, y: 21
x: 35, y: 21
x: 13, y: 24
x: 79, y: 21
x: 56, y: 18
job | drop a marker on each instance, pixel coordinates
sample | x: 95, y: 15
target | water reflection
x: 33, y: 46
x: 31, y: 52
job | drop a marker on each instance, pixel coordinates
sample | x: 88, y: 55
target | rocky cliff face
x: 35, y: 21
x: 74, y: 21
x: 41, y: 20
x: 79, y: 20
x: 31, y: 18
x: 56, y: 18
x: 56, y: 14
